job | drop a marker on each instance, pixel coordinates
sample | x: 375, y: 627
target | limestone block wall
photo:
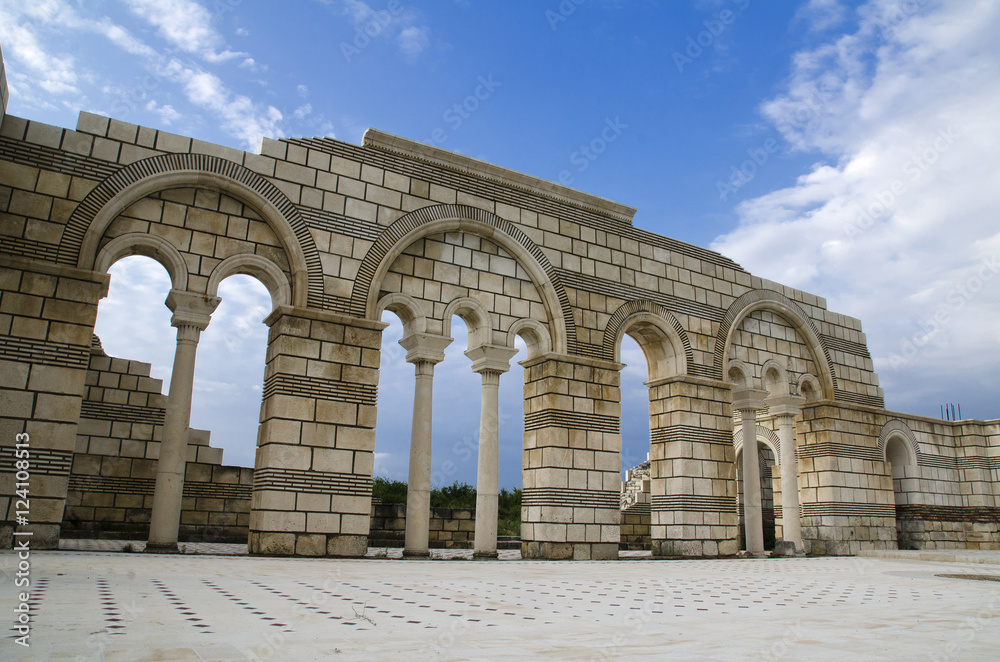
x: 450, y: 528
x: 113, y: 497
x: 572, y: 459
x: 635, y: 527
x: 110, y: 490
x: 693, y: 470
x: 948, y: 497
x: 315, y: 455
x: 47, y: 315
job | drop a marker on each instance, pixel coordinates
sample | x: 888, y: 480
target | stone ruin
x: 342, y: 235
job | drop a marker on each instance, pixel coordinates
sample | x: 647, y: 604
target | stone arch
x: 896, y: 429
x: 250, y: 264
x: 436, y: 219
x: 147, y: 245
x: 133, y: 182
x: 738, y: 375
x: 765, y: 436
x: 653, y: 326
x: 774, y: 378
x: 535, y: 334
x: 408, y: 309
x: 791, y: 312
x: 809, y: 387
x: 476, y: 318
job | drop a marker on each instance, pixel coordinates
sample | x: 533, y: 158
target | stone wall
x: 110, y: 490
x: 450, y: 528
x: 340, y: 233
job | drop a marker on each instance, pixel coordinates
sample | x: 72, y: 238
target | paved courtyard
x: 100, y: 605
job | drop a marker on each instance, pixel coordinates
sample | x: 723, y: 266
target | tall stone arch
x: 90, y: 219
x: 790, y: 311
x: 437, y: 219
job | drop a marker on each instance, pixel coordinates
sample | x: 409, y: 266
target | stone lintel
x: 491, y: 357
x: 425, y: 347
x: 569, y: 358
x: 323, y: 316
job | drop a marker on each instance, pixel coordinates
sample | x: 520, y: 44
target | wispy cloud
x: 187, y: 26
x: 396, y: 22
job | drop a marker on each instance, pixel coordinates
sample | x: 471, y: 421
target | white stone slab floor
x: 112, y: 606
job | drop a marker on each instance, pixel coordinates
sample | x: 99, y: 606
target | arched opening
x: 766, y: 458
x: 651, y: 351
x: 229, y: 372
x: 900, y: 457
x: 121, y: 416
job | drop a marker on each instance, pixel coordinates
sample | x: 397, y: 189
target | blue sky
x: 845, y: 148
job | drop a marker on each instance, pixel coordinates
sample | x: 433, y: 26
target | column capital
x: 747, y: 399
x: 425, y: 347
x: 785, y: 405
x: 191, y: 309
x: 491, y: 358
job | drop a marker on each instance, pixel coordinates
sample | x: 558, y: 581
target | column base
x: 416, y: 554
x: 162, y: 548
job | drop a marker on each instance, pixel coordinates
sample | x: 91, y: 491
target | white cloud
x: 900, y: 213
x: 185, y: 24
x: 399, y: 24
x: 822, y: 14
x: 239, y: 115
x: 413, y: 41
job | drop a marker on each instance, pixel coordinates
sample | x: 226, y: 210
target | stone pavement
x: 111, y: 606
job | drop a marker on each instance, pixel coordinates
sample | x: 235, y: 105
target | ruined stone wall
x: 110, y: 492
x: 339, y: 232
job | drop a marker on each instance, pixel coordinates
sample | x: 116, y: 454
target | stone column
x: 192, y: 313
x: 785, y: 408
x: 748, y: 402
x: 424, y: 351
x: 490, y: 361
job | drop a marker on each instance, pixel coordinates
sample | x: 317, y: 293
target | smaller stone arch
x: 249, y: 264
x: 535, y: 334
x: 739, y: 375
x: 408, y: 309
x: 476, y: 318
x: 897, y: 430
x: 774, y: 377
x: 809, y: 388
x: 151, y: 246
x: 765, y: 436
